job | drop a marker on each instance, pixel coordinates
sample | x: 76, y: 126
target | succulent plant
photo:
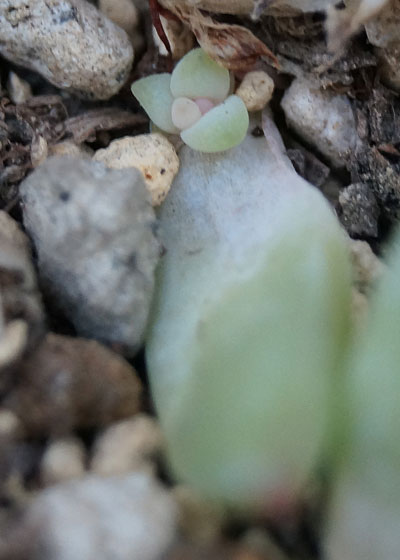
x: 249, y: 324
x: 194, y: 102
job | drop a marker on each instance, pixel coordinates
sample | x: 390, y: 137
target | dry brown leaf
x: 233, y: 46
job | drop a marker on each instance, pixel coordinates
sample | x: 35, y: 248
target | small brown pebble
x: 256, y: 90
x: 69, y: 383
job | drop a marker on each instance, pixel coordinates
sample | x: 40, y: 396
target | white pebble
x: 322, y: 119
x: 152, y: 154
x: 127, y: 446
x: 63, y: 460
x: 19, y: 90
x: 103, y: 518
x: 256, y: 90
x: 39, y: 151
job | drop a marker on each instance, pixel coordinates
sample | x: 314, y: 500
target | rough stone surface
x: 127, y: 446
x: 323, y: 120
x: 359, y: 210
x: 93, y: 229
x: 69, y: 383
x: 153, y: 154
x: 68, y: 42
x: 118, y: 518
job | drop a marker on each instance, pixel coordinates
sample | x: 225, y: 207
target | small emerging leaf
x: 154, y: 95
x: 197, y: 75
x: 221, y: 128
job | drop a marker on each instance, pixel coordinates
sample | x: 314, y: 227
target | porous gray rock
x: 93, y: 229
x: 359, y: 210
x: 116, y: 518
x: 68, y: 42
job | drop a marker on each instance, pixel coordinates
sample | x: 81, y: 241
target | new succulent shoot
x: 195, y: 102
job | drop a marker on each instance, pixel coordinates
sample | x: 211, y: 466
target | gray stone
x: 93, y: 229
x: 359, y: 210
x: 118, y: 518
x: 324, y: 120
x: 68, y: 42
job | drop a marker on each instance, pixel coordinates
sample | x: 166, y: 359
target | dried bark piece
x: 233, y: 46
x: 70, y: 383
x: 84, y: 126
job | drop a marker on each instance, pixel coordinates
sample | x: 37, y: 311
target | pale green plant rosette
x: 194, y: 101
x: 154, y: 95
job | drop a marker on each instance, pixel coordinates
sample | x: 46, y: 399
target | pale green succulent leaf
x: 250, y: 320
x: 261, y: 387
x: 222, y: 128
x: 197, y: 75
x: 154, y: 95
